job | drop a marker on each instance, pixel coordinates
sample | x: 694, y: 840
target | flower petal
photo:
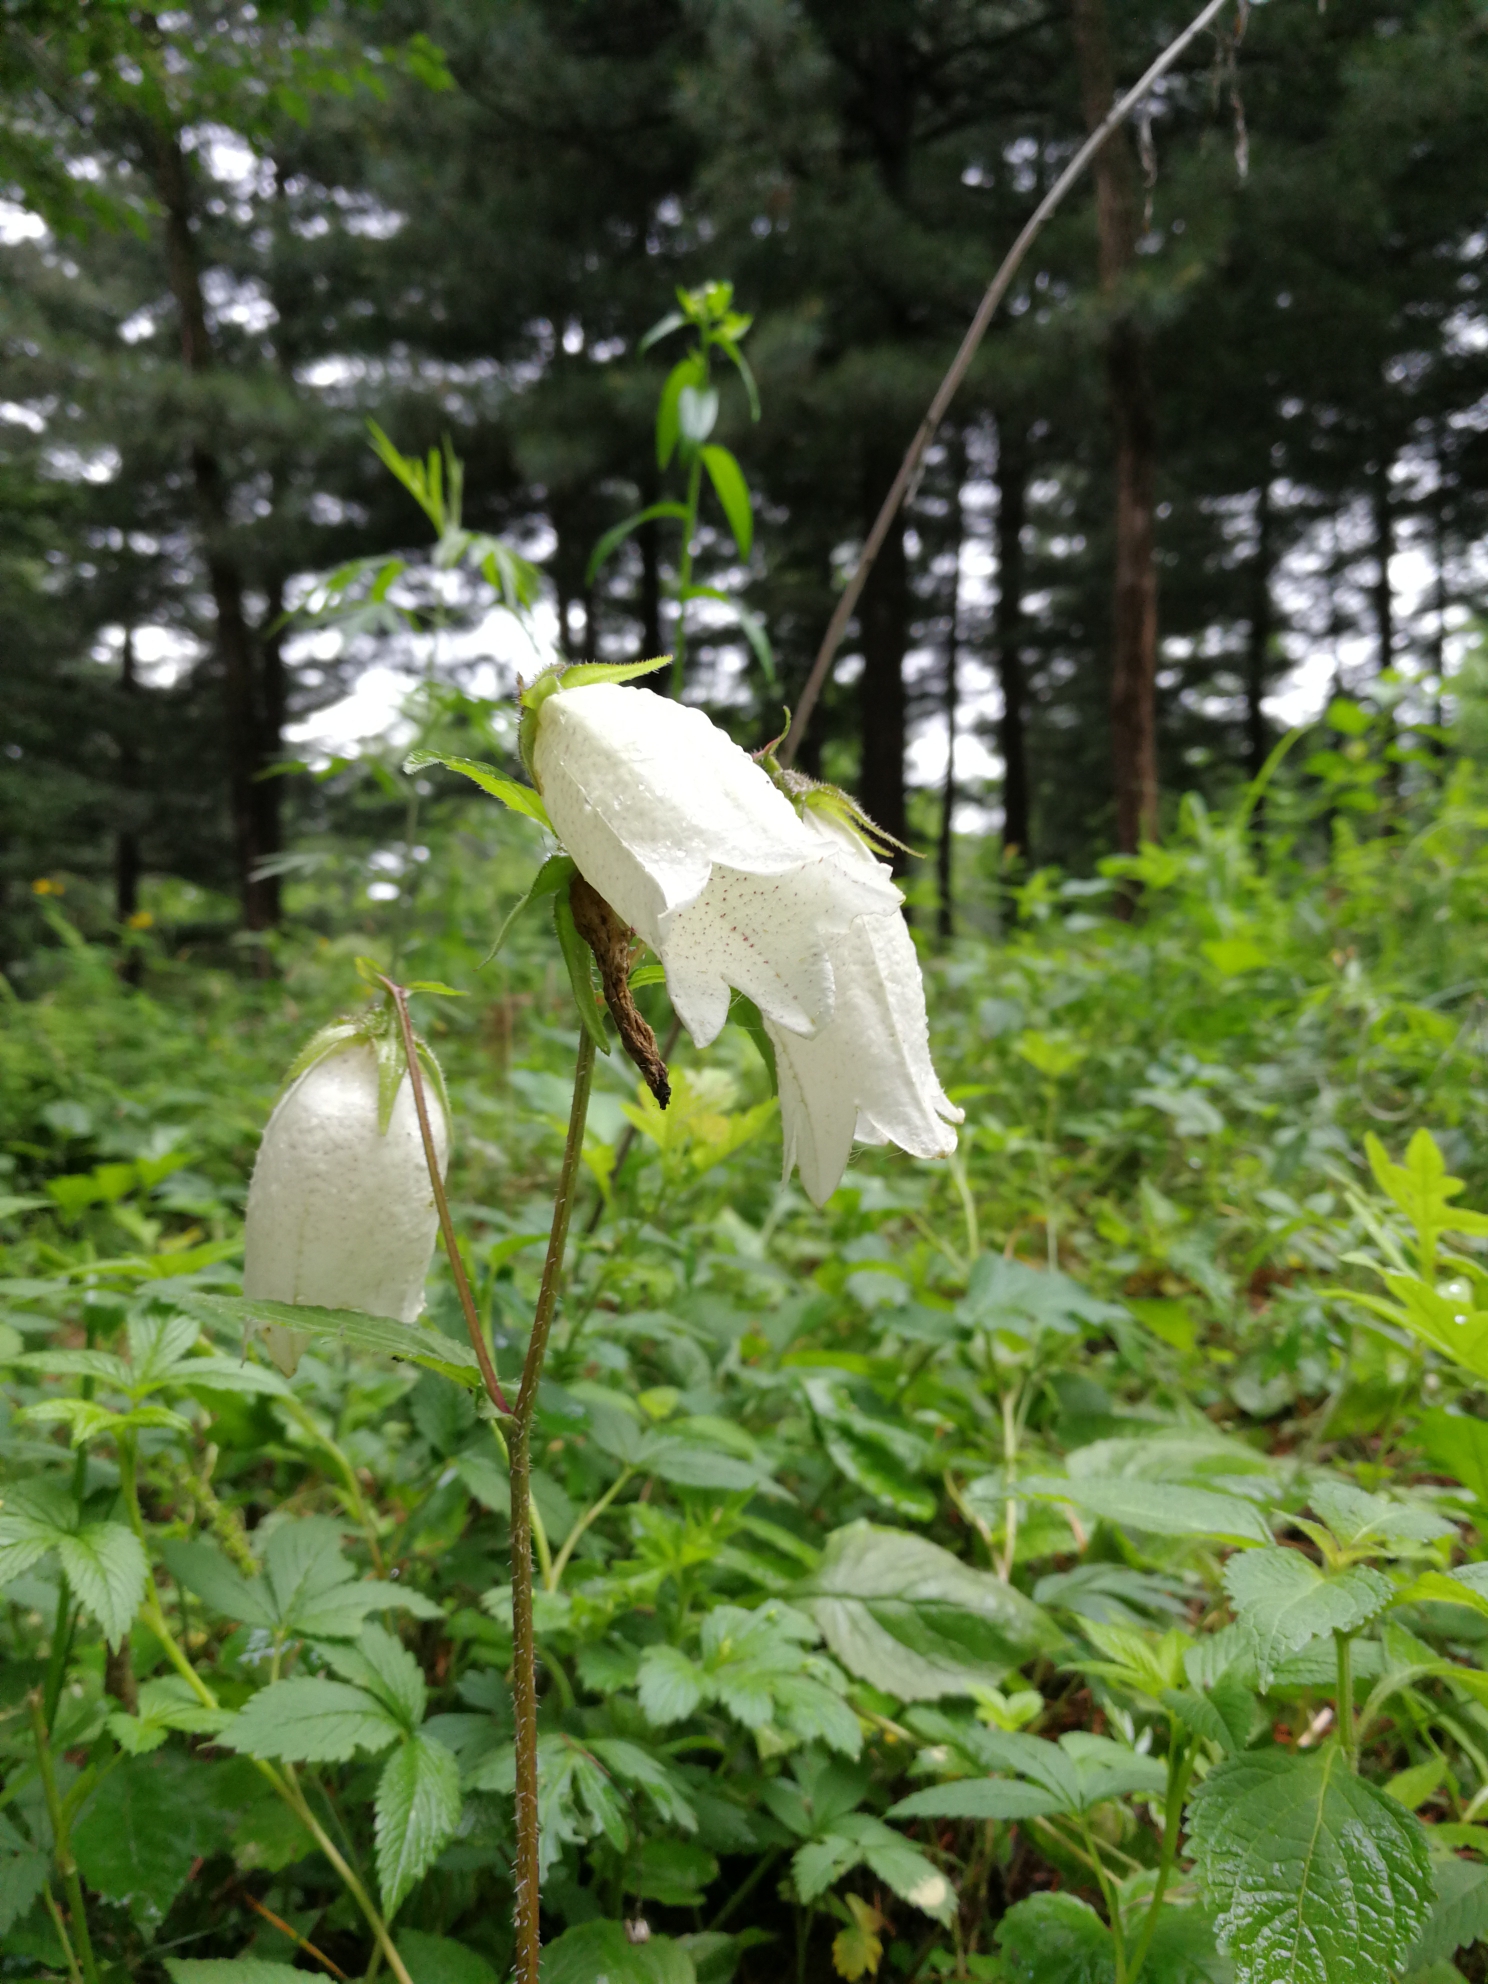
x: 867, y: 1072
x: 690, y: 841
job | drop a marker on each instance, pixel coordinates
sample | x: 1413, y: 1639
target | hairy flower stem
x: 61, y: 1837
x: 524, y: 1671
x: 1180, y: 1769
x: 446, y: 1225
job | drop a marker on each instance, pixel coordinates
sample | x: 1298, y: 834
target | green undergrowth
x: 1058, y: 1565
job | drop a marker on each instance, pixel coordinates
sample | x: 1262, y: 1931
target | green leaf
x: 1155, y: 1507
x: 439, y: 1960
x: 618, y: 533
x: 1457, y: 1444
x: 379, y: 1334
x: 669, y: 1685
x: 1283, y: 1600
x: 1459, y: 1915
x: 206, y: 1572
x: 733, y: 493
x: 385, y: 1668
x: 689, y: 371
x: 579, y: 959
x: 234, y: 1970
x: 24, y: 1867
x: 881, y: 1458
x: 1316, y: 1877
x: 144, y: 1826
x: 1374, y: 1522
x: 602, y: 1953
x: 908, y: 1617
x: 555, y: 875
x: 105, y: 1565
x: 418, y: 1808
x: 980, y: 1798
x: 520, y: 798
x: 1224, y: 1715
x: 1055, y: 1939
x: 309, y: 1720
x: 857, y: 1839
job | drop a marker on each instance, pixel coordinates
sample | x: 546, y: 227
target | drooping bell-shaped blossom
x: 698, y: 848
x: 691, y: 842
x: 340, y: 1211
x: 866, y: 1072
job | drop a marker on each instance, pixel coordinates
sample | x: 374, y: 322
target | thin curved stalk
x: 524, y: 1664
x: 446, y: 1225
x: 909, y: 468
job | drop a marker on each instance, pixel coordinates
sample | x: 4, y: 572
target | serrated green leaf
x: 669, y: 1685
x: 1055, y: 1939
x: 1459, y: 1914
x: 385, y: 1668
x: 106, y: 1567
x: 418, y: 1808
x: 1155, y: 1507
x: 1361, y: 1520
x: 908, y: 1617
x: 379, y: 1334
x: 1283, y: 1600
x: 601, y: 1950
x: 519, y: 798
x: 308, y: 1720
x: 142, y: 1829
x: 1315, y: 1876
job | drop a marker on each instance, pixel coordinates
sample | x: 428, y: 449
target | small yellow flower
x: 45, y: 886
x: 142, y: 919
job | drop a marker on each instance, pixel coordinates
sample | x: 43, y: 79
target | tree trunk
x: 1133, y: 419
x: 1012, y: 505
x: 126, y: 842
x: 1384, y: 550
x: 650, y: 538
x: 240, y: 711
x: 945, y: 850
x: 1259, y: 644
x: 884, y: 618
x: 273, y: 706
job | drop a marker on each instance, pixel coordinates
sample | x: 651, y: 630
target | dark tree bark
x: 884, y: 618
x: 126, y: 841
x: 273, y: 707
x: 1258, y: 644
x: 235, y: 649
x: 945, y: 848
x: 1012, y: 740
x: 1133, y: 420
x: 1384, y: 550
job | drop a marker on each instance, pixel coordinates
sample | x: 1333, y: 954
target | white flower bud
x: 340, y: 1214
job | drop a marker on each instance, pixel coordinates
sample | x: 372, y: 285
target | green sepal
x: 520, y: 798
x: 745, y: 1013
x: 578, y: 957
x: 647, y: 974
x: 378, y: 1029
x: 569, y: 675
x: 557, y: 872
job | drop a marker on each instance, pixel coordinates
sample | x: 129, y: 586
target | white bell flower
x: 691, y: 842
x: 866, y: 1072
x: 340, y: 1211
